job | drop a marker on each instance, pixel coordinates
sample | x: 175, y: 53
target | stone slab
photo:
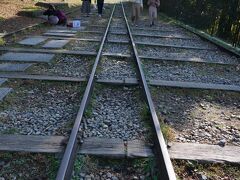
x: 14, y: 67
x: 55, y: 43
x: 70, y: 28
x: 27, y: 57
x: 2, y: 80
x: 32, y: 41
x: 59, y: 34
x: 62, y: 31
x: 4, y: 92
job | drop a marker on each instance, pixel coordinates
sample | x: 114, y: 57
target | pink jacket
x: 153, y: 3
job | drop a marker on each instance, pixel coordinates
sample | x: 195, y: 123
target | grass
x: 146, y: 117
x: 10, y: 131
x: 28, y: 166
x: 89, y: 164
x: 53, y: 168
x: 32, y: 8
x: 84, y: 163
x: 168, y: 132
x: 214, y: 171
x: 2, y: 18
x: 89, y: 110
x: 2, y: 42
x: 149, y: 166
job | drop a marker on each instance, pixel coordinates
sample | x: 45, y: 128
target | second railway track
x: 135, y: 79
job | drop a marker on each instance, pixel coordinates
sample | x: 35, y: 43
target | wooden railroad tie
x: 117, y: 148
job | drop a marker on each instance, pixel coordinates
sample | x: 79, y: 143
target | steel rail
x: 67, y: 162
x: 163, y: 158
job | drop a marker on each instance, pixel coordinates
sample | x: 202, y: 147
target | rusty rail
x: 66, y: 166
x: 163, y: 158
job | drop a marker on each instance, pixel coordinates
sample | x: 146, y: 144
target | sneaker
x: 99, y: 15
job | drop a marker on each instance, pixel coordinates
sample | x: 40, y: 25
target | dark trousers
x: 100, y: 6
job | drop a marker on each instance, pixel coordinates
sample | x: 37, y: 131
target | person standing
x: 137, y: 6
x: 86, y: 7
x: 100, y: 7
x: 152, y: 9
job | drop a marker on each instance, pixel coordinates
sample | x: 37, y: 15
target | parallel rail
x: 163, y: 158
x: 65, y: 170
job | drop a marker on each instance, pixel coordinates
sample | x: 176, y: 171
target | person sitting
x: 55, y: 16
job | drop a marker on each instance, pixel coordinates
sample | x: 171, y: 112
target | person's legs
x: 150, y: 15
x: 133, y: 13
x: 88, y: 9
x: 100, y: 6
x: 154, y: 15
x: 138, y: 7
x: 62, y: 22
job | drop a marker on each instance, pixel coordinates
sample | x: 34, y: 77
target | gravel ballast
x: 166, y: 33
x: 114, y: 68
x: 174, y: 42
x: 65, y: 65
x: 117, y: 29
x: 200, y: 116
x: 192, y: 72
x: 116, y: 113
x: 87, y: 168
x: 210, y: 56
x: 83, y: 46
x: 124, y: 49
x: 117, y: 37
x: 27, y: 166
x: 40, y: 108
x: 90, y: 35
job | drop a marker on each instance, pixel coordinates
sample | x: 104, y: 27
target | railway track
x: 131, y: 80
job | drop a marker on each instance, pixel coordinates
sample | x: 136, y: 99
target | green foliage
x: 217, y: 17
x: 190, y: 169
x: 2, y: 42
x: 149, y: 166
x: 145, y: 113
x: 1, y: 18
x: 10, y: 131
x: 167, y: 131
x: 53, y: 168
x: 5, y: 156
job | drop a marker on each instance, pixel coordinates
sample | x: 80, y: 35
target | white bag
x: 53, y: 20
x: 76, y: 24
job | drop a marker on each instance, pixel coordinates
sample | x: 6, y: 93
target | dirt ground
x: 10, y: 20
